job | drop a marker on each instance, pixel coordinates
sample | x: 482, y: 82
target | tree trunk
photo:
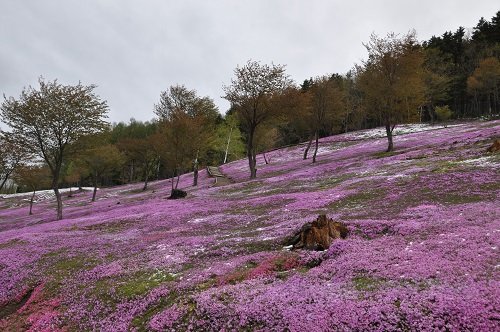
x: 146, y: 177
x: 265, y: 159
x: 476, y: 105
x: 31, y: 202
x: 388, y: 130
x: 489, y: 104
x: 123, y: 174
x: 431, y: 113
x: 316, y: 144
x: 195, y: 177
x: 131, y: 177
x: 195, y: 173
x: 252, y: 159
x: 172, y: 183
x: 346, y: 120
x: 495, y: 101
x: 95, y: 188
x: 254, y: 164
x: 55, y: 187
x: 178, y: 178
x: 4, y: 181
x: 306, y: 151
x: 227, y: 146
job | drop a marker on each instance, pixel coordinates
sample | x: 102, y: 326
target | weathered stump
x: 495, y: 146
x: 319, y: 234
x: 177, y: 193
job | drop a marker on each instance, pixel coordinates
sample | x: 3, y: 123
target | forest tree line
x: 58, y: 135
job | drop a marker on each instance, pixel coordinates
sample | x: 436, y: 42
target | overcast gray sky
x: 133, y: 50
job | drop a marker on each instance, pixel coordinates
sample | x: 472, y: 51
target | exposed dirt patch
x: 13, y: 306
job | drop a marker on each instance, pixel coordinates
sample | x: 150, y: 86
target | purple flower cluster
x: 422, y: 252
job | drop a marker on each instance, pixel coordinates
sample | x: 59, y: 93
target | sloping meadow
x: 422, y: 253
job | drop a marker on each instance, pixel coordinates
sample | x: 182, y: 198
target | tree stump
x: 319, y: 234
x: 177, y: 193
x: 495, y: 146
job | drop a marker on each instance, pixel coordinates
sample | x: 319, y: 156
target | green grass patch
x: 258, y: 246
x: 258, y: 210
x: 207, y: 284
x: 386, y: 154
x: 140, y: 322
x: 331, y: 182
x: 62, y: 268
x: 419, y: 284
x: 417, y: 157
x: 444, y: 167
x: 69, y: 265
x: 365, y: 283
x: 134, y: 284
x: 112, y: 290
x: 492, y: 186
x: 52, y: 254
x: 450, y: 198
x: 11, y: 243
x: 276, y: 173
x: 109, y: 227
x: 142, y: 282
x: 360, y: 199
x: 456, y: 198
x: 244, y: 189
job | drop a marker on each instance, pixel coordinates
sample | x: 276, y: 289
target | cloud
x: 134, y: 49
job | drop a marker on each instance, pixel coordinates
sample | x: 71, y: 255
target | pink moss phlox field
x: 422, y: 252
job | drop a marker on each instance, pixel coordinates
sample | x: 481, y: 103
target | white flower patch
x: 396, y: 176
x: 46, y: 194
x: 488, y: 161
x: 399, y: 130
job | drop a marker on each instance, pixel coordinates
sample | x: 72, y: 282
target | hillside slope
x: 422, y: 253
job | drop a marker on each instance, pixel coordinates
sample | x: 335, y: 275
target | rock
x: 177, y: 193
x: 495, y: 146
x: 319, y: 234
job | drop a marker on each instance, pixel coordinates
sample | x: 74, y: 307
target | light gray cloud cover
x: 134, y: 49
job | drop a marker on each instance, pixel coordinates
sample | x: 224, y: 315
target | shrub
x: 443, y: 113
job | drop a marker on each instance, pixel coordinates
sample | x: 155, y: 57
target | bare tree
x: 50, y: 119
x: 250, y: 94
